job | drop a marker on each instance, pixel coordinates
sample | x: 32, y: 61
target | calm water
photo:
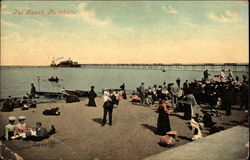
x: 15, y: 81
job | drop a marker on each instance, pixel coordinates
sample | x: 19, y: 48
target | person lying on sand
x: 40, y: 133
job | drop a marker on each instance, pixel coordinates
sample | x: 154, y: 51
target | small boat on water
x: 163, y: 70
x: 53, y: 79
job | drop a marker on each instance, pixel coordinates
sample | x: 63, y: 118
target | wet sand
x: 80, y: 135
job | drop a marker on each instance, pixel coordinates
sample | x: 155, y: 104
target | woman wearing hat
x: 91, y: 97
x: 9, y: 128
x: 21, y: 127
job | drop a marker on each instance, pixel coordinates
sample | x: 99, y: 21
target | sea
x: 16, y: 80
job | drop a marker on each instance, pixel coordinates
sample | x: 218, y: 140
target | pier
x: 235, y: 67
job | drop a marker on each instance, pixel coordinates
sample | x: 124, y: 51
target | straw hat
x: 21, y: 118
x: 12, y: 118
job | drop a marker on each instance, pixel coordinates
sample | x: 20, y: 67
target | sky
x: 124, y: 32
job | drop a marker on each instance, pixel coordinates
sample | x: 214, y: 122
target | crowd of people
x: 219, y: 92
x: 25, y: 103
x: 21, y: 131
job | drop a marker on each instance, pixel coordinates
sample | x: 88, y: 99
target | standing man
x: 142, y: 93
x: 178, y: 81
x: 185, y: 85
x: 237, y: 78
x: 107, y: 108
x: 33, y: 90
x: 91, y: 97
x: 175, y: 91
x: 244, y: 79
x: 122, y: 87
x: 230, y: 75
x: 206, y: 74
x: 222, y: 75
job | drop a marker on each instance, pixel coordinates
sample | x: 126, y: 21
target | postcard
x: 124, y: 80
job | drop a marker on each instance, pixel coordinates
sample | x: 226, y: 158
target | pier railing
x: 173, y: 67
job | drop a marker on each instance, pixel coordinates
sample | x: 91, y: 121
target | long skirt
x: 187, y: 112
x: 92, y: 102
x: 163, y: 124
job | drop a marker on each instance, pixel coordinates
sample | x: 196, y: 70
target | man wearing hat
x: 107, y: 108
x: 142, y: 93
x: 33, y: 90
x: 9, y: 128
x: 206, y: 75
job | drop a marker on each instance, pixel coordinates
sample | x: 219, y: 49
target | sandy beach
x: 80, y: 134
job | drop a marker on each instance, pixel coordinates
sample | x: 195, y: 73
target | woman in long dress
x: 91, y: 97
x: 163, y: 123
x: 190, y: 102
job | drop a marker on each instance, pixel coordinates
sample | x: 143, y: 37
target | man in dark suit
x: 33, y: 90
x: 108, y: 108
x: 40, y: 133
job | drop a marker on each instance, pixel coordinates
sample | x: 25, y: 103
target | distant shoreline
x: 143, y: 64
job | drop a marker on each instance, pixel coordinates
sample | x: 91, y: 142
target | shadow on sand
x: 98, y: 120
x: 89, y: 106
x: 185, y: 138
x: 151, y: 128
x: 177, y: 115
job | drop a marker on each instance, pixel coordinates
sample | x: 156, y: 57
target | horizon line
x: 227, y: 63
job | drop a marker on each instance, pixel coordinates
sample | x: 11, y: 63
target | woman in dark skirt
x: 190, y: 102
x: 163, y: 123
x: 91, y: 97
x: 227, y: 100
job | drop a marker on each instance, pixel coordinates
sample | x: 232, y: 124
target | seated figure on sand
x: 9, y: 128
x: 196, y: 127
x: 8, y: 105
x: 21, y: 127
x: 22, y: 131
x: 40, y: 133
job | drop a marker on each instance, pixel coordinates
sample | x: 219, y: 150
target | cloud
x: 170, y: 10
x: 197, y: 26
x: 13, y: 36
x: 128, y: 29
x: 88, y: 16
x: 41, y: 23
x: 8, y: 24
x: 228, y: 17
